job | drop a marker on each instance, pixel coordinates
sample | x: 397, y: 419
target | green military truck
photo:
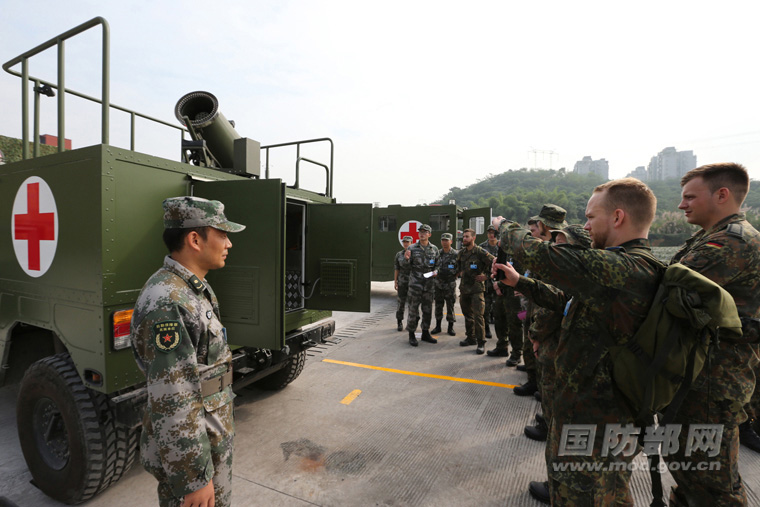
x: 393, y: 222
x: 82, y: 233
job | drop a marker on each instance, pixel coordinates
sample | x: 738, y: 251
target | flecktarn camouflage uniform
x: 728, y: 254
x: 617, y: 290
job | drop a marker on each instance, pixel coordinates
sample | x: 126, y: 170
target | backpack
x: 655, y: 368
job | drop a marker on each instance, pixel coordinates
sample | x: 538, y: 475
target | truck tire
x: 286, y: 375
x: 72, y: 445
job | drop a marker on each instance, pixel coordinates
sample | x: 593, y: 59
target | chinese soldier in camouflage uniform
x: 446, y: 285
x: 474, y: 266
x: 424, y: 259
x: 614, y: 289
x: 727, y: 251
x: 401, y: 281
x: 181, y: 347
x: 550, y: 218
x: 491, y: 245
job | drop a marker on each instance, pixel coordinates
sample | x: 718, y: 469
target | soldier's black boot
x: 436, y: 329
x: 488, y: 331
x: 412, y: 339
x: 748, y: 437
x: 451, y: 329
x: 427, y: 338
x: 513, y: 360
x: 540, y: 418
x: 537, y: 432
x: 540, y: 491
x: 497, y: 352
x: 467, y: 341
x: 527, y: 389
x: 400, y: 326
x: 481, y: 348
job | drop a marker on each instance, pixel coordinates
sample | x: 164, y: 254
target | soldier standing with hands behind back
x: 181, y: 347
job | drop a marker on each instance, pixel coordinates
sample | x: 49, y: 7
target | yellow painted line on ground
x: 351, y: 396
x: 418, y: 374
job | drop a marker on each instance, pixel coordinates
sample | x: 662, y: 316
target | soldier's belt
x: 216, y: 384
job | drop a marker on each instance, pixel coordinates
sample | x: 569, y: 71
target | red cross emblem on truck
x: 35, y: 231
x: 410, y: 228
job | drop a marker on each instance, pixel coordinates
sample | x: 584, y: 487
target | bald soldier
x: 181, y: 346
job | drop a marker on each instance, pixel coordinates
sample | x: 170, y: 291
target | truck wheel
x: 68, y: 434
x: 286, y: 375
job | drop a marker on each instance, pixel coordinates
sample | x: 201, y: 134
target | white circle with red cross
x: 410, y: 228
x: 34, y: 226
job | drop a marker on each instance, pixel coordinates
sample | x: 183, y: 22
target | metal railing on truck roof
x: 42, y: 87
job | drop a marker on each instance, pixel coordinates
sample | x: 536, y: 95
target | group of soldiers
x: 582, y: 283
x: 554, y: 290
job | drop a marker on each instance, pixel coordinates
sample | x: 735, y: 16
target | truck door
x: 250, y: 287
x: 338, y: 260
x: 478, y: 219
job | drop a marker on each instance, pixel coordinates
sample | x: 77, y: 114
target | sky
x: 417, y: 96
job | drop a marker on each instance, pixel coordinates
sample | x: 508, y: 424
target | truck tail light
x: 122, y: 321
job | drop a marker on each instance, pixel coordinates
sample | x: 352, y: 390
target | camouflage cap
x: 407, y: 238
x: 426, y: 227
x: 492, y: 228
x: 575, y: 235
x: 552, y: 216
x: 188, y: 212
x: 446, y: 235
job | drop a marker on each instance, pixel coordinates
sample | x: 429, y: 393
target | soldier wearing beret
x: 424, y: 259
x: 181, y: 346
x: 401, y: 280
x: 446, y: 285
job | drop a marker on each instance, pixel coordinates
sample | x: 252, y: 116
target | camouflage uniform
x: 403, y: 269
x: 507, y: 324
x: 552, y: 217
x: 616, y: 290
x: 421, y: 290
x: 446, y: 285
x: 471, y: 263
x: 180, y: 345
x: 490, y: 293
x: 729, y: 254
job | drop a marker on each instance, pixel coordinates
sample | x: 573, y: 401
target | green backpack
x: 656, y: 367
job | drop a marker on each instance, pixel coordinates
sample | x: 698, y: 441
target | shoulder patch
x: 166, y: 335
x: 196, y: 284
x: 735, y: 229
x: 714, y: 244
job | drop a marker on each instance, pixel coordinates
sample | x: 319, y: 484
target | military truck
x: 82, y: 233
x: 393, y: 222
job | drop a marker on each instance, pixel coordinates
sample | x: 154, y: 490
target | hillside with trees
x: 519, y: 194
